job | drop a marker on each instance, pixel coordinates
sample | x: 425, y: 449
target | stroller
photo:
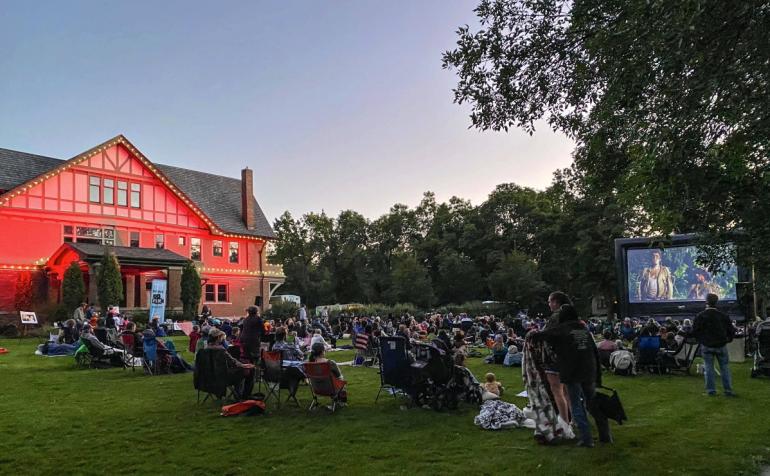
x: 432, y: 375
x: 762, y: 350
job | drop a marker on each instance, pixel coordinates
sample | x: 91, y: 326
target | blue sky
x: 335, y: 105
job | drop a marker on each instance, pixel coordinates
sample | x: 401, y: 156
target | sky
x: 335, y: 105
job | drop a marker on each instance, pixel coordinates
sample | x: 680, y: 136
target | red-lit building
x: 154, y: 217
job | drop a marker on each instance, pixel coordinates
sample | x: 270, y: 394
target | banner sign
x: 28, y: 317
x: 158, y: 300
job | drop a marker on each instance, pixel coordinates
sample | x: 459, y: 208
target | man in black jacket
x: 714, y: 330
x: 579, y: 370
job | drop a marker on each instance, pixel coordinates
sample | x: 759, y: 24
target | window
x: 109, y: 191
x: 97, y: 236
x: 182, y: 241
x: 67, y: 234
x: 215, y: 293
x: 195, y: 248
x: 93, y: 189
x: 122, y: 194
x: 233, y: 252
x: 221, y: 293
x: 217, y: 248
x: 134, y: 238
x: 211, y: 292
x: 160, y: 241
x: 136, y: 189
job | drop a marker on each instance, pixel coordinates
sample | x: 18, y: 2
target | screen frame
x: 677, y: 309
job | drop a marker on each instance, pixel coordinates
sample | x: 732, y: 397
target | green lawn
x: 55, y: 419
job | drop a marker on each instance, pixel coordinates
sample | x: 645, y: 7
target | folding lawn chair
x: 272, y: 374
x: 649, y: 353
x: 323, y: 383
x: 394, y: 365
x: 211, y: 375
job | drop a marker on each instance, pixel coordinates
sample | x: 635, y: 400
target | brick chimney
x: 247, y: 201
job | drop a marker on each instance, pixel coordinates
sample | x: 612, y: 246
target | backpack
x: 622, y: 362
x: 246, y: 408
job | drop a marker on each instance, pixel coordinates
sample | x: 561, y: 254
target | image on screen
x: 674, y: 274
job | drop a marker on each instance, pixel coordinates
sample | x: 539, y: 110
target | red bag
x: 3, y: 350
x: 246, y: 407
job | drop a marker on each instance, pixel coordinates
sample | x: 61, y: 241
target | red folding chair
x: 323, y: 383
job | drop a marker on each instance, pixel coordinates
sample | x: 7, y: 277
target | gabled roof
x: 218, y: 197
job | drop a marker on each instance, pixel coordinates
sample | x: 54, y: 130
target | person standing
x: 579, y: 370
x: 714, y: 330
x: 303, y: 313
x: 252, y: 333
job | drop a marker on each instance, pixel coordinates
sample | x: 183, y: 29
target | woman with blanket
x: 579, y: 369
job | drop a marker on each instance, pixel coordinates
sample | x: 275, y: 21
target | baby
x: 493, y: 386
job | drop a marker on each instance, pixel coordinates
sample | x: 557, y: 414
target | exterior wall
x: 33, y: 225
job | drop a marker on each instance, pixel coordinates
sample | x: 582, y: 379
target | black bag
x: 610, y: 405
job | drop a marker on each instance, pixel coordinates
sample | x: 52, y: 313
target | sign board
x: 158, y: 299
x: 28, y: 317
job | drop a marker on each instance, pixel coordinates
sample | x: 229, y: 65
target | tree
x: 458, y: 279
x: 109, y: 286
x: 22, y: 299
x: 73, y: 288
x: 517, y: 279
x: 668, y: 97
x: 410, y: 282
x: 191, y: 291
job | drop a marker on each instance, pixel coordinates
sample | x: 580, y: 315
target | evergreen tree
x: 191, y: 291
x: 108, y: 282
x: 73, y: 287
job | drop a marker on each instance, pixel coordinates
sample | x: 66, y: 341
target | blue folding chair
x: 395, y: 370
x: 649, y: 353
x: 150, y: 349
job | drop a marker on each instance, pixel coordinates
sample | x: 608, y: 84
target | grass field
x: 55, y: 419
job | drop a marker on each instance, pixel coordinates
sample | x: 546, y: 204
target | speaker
x: 258, y: 301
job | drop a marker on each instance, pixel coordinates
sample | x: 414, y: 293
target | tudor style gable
x: 111, y: 180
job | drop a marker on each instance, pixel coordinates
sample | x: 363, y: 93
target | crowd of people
x: 562, y: 356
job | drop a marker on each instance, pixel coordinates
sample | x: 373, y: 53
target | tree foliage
x: 109, y: 286
x: 666, y: 100
x: 73, y: 288
x: 191, y: 291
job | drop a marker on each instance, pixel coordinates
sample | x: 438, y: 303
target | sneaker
x: 711, y: 394
x: 584, y: 444
x: 730, y: 394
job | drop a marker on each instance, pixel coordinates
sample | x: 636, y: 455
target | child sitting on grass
x: 492, y: 385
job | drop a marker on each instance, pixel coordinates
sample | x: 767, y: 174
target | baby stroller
x: 432, y: 373
x: 762, y: 350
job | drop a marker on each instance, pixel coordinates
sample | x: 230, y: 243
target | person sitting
x: 239, y: 374
x: 115, y: 355
x: 513, y: 357
x: 157, y: 329
x: 69, y: 333
x: 459, y: 346
x: 319, y: 338
x: 622, y: 362
x: 606, y: 348
x: 288, y: 351
x: 492, y: 385
x: 318, y: 354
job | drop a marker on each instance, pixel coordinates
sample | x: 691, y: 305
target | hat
x: 512, y: 349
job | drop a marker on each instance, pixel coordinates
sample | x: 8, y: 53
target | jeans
x: 723, y: 358
x: 581, y: 396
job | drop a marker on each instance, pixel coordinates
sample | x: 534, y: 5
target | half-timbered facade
x: 154, y: 218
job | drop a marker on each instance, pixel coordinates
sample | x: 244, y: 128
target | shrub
x: 191, y: 291
x: 22, y: 299
x: 73, y: 287
x: 282, y: 310
x: 108, y: 282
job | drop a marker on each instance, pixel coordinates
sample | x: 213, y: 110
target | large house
x: 153, y: 217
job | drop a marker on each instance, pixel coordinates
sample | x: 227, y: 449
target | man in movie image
x: 656, y: 283
x: 703, y: 286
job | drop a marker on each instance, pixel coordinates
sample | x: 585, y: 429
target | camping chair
x: 681, y: 359
x: 88, y: 356
x: 394, y: 365
x: 150, y: 351
x: 649, y: 353
x: 83, y: 359
x: 129, y: 346
x: 210, y: 375
x: 323, y: 383
x: 272, y: 374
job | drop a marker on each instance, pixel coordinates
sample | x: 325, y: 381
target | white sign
x: 28, y: 317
